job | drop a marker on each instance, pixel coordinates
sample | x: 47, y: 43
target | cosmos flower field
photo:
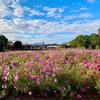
x: 63, y: 73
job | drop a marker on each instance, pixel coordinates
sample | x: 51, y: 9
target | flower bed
x: 61, y: 73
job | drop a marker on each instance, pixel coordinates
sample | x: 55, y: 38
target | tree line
x: 5, y: 43
x: 87, y: 41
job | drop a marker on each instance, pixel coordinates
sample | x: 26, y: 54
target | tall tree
x: 95, y: 40
x: 73, y: 43
x: 9, y: 44
x: 63, y: 45
x: 3, y: 42
x: 87, y: 41
x: 17, y: 44
x: 99, y: 31
x: 79, y: 41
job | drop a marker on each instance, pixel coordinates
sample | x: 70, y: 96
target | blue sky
x: 51, y: 21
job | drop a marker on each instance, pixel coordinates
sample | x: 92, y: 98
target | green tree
x: 3, y: 42
x: 99, y: 31
x: 63, y: 45
x: 9, y: 44
x: 17, y: 44
x: 79, y: 40
x: 73, y: 43
x: 95, y: 40
x: 87, y: 41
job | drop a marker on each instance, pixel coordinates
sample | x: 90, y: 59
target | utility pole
x: 43, y: 44
x: 99, y: 31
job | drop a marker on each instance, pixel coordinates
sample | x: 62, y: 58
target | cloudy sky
x: 51, y: 21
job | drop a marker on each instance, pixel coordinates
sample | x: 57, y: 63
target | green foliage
x: 10, y: 43
x: 86, y: 41
x: 58, y: 72
x: 95, y: 40
x: 99, y: 31
x: 80, y: 40
x: 63, y: 45
x: 98, y: 85
x: 3, y: 42
x: 73, y: 43
x: 17, y: 44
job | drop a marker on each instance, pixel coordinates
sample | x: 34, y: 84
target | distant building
x: 37, y: 44
x: 27, y: 46
x: 52, y: 46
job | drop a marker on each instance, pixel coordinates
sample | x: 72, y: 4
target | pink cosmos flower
x: 77, y: 87
x: 85, y: 61
x: 6, y: 72
x: 4, y: 78
x: 32, y: 77
x: 88, y: 87
x: 94, y: 72
x: 68, y: 81
x: 83, y: 73
x: 27, y: 63
x: 16, y: 79
x: 98, y: 54
x: 63, y: 89
x: 17, y: 73
x: 16, y: 87
x: 59, y: 88
x: 83, y: 89
x: 4, y: 86
x: 88, y: 65
x: 74, y: 81
x: 79, y: 96
x: 46, y: 81
x: 83, y: 81
x: 48, y: 89
x: 53, y: 74
x: 55, y: 91
x: 29, y: 83
x: 38, y: 82
x: 37, y: 57
x: 42, y: 71
x: 55, y: 80
x: 30, y: 93
x: 45, y: 94
x: 71, y: 94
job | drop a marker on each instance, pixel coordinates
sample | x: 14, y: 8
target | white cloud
x: 17, y: 0
x: 81, y: 9
x: 4, y: 9
x: 5, y: 1
x: 11, y: 8
x: 91, y: 1
x: 43, y: 28
x: 28, y: 30
x: 83, y: 15
x: 34, y: 12
x: 21, y: 37
x: 18, y: 10
x: 54, y: 39
x: 54, y: 12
